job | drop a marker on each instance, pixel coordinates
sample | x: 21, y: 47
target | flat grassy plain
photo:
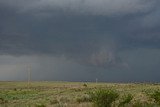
x: 70, y: 94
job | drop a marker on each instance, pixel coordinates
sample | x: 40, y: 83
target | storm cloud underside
x: 113, y: 40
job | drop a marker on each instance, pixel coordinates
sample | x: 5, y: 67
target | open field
x: 71, y: 94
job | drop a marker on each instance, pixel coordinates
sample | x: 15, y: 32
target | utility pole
x: 29, y: 75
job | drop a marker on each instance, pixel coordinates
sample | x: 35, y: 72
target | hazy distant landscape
x: 77, y: 94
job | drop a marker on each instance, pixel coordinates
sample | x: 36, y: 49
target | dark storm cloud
x: 90, y: 32
x: 86, y: 29
x: 101, y: 7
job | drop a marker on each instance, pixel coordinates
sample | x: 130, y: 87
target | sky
x: 80, y: 40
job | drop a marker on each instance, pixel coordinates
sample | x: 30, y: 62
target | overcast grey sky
x: 80, y: 40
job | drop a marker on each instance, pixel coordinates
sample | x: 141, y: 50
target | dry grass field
x: 75, y: 94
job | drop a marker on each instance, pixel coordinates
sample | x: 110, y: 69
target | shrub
x: 54, y: 101
x: 104, y: 98
x: 84, y: 98
x: 85, y: 85
x: 3, y: 101
x: 138, y: 104
x: 64, y: 99
x: 142, y: 104
x: 15, y: 89
x: 155, y: 95
x: 40, y: 105
x: 126, y: 99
